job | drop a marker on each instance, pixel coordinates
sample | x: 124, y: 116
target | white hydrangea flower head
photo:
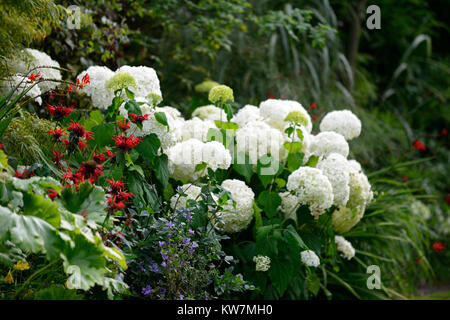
x: 274, y: 111
x: 257, y: 138
x: 185, y: 156
x: 344, y: 122
x: 192, y: 193
x: 355, y: 165
x: 173, y: 112
x: 326, y: 143
x: 235, y: 217
x: 246, y: 114
x: 343, y: 218
x: 101, y: 97
x: 344, y: 247
x: 337, y: 170
x: 167, y: 137
x: 312, y: 188
x: 196, y: 128
x: 310, y: 258
x: 146, y: 80
x: 360, y: 191
x: 210, y: 112
x: 216, y: 156
x: 12, y: 81
x: 34, y: 58
x: 289, y: 205
x: 262, y: 263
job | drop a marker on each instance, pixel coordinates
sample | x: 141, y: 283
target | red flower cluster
x: 270, y: 96
x: 52, y: 194
x: 33, y: 77
x: 418, y: 145
x: 90, y: 170
x: 118, y: 195
x: 125, y: 143
x: 79, y: 131
x: 124, y: 126
x: 57, y: 157
x: 25, y: 174
x: 99, y: 158
x: 59, y: 111
x: 84, y: 81
x: 439, y: 246
x: 57, y: 133
x: 136, y: 118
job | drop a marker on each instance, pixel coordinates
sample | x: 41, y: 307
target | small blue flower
x: 146, y: 291
x: 141, y: 268
x: 164, y: 256
x: 181, y: 297
x: 161, y: 243
x: 186, y: 240
x: 164, y: 264
x: 191, y: 231
x: 194, y: 244
x: 154, y: 268
x: 162, y: 291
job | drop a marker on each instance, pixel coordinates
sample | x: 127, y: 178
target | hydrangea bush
x: 234, y: 201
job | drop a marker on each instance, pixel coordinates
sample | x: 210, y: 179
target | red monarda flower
x: 79, y: 131
x: 313, y: 106
x: 443, y: 132
x: 2, y: 146
x: 270, y: 96
x: 33, y: 77
x: 438, y: 246
x: 70, y: 89
x: 25, y: 174
x: 81, y: 145
x: 57, y: 157
x: 90, y: 170
x: 405, y: 178
x: 57, y: 133
x: 124, y: 126
x: 59, y: 111
x: 125, y: 196
x: 86, y: 79
x: 52, y: 194
x: 136, y: 118
x: 99, y: 158
x: 116, y: 186
x: 76, y: 178
x: 447, y: 199
x: 115, y: 205
x: 314, y: 118
x: 125, y: 143
x: 418, y: 145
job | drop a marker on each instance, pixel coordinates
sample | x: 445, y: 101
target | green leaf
x: 280, y: 273
x: 313, y: 283
x: 229, y: 111
x: 293, y: 146
x: 46, y: 209
x: 241, y: 165
x: 200, y: 166
x: 226, y: 125
x: 293, y: 238
x: 88, y: 199
x: 214, y: 135
x: 161, y: 118
x: 257, y: 212
x: 102, y: 135
x: 312, y: 161
x: 114, y: 107
x: 149, y: 146
x: 281, y: 183
x: 57, y: 292
x: 161, y: 168
x: 294, y: 161
x: 267, y: 168
x: 270, y: 202
x: 5, y: 123
x: 133, y: 107
x: 129, y: 93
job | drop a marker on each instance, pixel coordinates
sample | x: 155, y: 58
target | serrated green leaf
x: 270, y: 201
x: 149, y: 146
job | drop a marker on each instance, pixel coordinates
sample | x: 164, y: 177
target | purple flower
x: 186, y: 240
x: 181, y: 297
x: 191, y: 251
x: 154, y: 268
x: 146, y: 291
x: 170, y: 224
x: 188, y: 217
x: 141, y: 268
x: 191, y: 231
x: 164, y: 256
x: 194, y: 244
x: 164, y: 264
x: 161, y: 243
x: 162, y: 291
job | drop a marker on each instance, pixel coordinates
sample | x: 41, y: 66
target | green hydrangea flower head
x: 206, y: 86
x: 297, y: 117
x: 343, y: 218
x: 221, y: 94
x: 154, y: 99
x: 121, y: 80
